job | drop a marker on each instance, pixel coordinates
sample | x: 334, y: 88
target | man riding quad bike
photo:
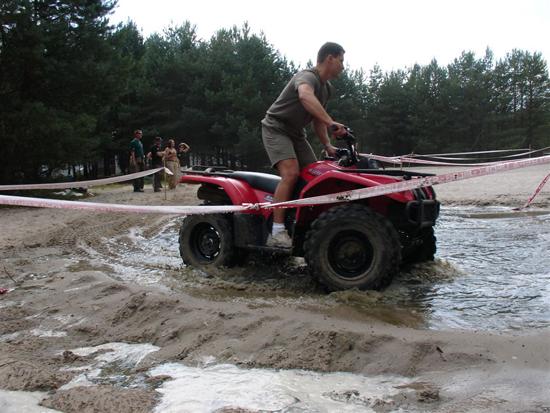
x: 359, y: 244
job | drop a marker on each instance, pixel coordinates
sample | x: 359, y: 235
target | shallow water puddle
x: 214, y: 387
x: 506, y: 271
x: 131, y: 354
x: 22, y: 401
x: 490, y: 274
x: 504, y: 214
x: 10, y: 336
x: 119, y: 356
x: 39, y: 332
x: 7, y: 303
x: 133, y: 257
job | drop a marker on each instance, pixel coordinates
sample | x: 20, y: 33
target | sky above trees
x: 391, y: 33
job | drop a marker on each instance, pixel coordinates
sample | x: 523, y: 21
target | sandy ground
x: 512, y: 188
x: 449, y: 370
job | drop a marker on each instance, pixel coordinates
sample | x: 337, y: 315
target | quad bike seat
x: 264, y: 182
x: 258, y: 180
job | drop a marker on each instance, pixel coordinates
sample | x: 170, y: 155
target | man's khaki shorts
x: 280, y: 146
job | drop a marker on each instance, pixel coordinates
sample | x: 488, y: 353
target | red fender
x: 331, y: 179
x: 336, y: 181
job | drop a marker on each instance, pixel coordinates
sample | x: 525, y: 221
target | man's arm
x: 321, y: 131
x: 132, y: 155
x: 322, y: 119
x: 313, y: 106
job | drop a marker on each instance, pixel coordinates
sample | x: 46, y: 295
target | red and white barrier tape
x: 500, y: 158
x: 84, y: 184
x: 318, y: 200
x: 477, y: 153
x: 101, y: 207
x: 410, y: 184
x: 400, y: 160
x: 539, y: 188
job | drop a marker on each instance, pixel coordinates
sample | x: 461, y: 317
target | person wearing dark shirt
x: 157, y: 155
x: 137, y: 159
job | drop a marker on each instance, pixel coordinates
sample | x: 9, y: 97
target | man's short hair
x: 329, y: 48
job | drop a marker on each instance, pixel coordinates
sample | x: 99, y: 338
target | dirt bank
x: 65, y: 299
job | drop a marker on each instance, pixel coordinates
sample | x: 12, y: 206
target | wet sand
x: 63, y: 300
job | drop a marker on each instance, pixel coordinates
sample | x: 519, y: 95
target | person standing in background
x: 137, y: 159
x: 171, y: 161
x: 183, y: 149
x: 157, y: 155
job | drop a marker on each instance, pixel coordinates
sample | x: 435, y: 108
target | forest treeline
x: 73, y: 87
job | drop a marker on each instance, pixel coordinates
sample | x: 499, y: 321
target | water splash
x: 216, y: 387
x: 488, y: 274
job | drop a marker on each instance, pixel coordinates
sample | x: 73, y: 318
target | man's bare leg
x: 289, y: 171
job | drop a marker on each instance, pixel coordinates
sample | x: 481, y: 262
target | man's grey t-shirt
x: 287, y: 112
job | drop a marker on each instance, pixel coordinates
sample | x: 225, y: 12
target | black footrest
x: 271, y: 250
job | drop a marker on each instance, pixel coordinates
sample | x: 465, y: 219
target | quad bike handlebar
x: 346, y: 156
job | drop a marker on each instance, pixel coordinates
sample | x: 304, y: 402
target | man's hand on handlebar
x: 341, y: 132
x: 330, y: 150
x: 337, y: 129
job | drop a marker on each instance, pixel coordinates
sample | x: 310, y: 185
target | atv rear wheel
x: 350, y: 246
x: 207, y: 240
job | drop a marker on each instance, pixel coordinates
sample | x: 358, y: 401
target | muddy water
x: 498, y: 275
x: 492, y: 272
x: 224, y: 387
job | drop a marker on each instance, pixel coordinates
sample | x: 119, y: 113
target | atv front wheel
x: 207, y: 240
x: 350, y: 246
x: 420, y: 248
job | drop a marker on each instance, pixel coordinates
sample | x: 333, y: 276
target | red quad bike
x: 359, y: 244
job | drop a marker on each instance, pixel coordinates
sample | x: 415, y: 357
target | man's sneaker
x: 279, y: 240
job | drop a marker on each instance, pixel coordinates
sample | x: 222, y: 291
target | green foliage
x: 522, y: 95
x: 55, y: 82
x: 73, y: 88
x: 350, y: 103
x: 472, y: 104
